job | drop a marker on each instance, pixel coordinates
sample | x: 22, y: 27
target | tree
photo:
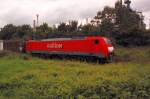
x: 44, y: 28
x: 62, y: 27
x: 107, y: 20
x: 42, y: 31
x: 23, y: 31
x: 8, y: 31
x: 73, y: 26
x: 89, y: 29
x: 107, y: 27
x: 127, y: 19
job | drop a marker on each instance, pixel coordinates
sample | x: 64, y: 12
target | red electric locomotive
x: 93, y: 46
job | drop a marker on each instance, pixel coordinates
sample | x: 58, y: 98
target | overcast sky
x: 55, y: 11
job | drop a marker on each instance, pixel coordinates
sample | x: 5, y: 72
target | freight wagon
x: 11, y: 45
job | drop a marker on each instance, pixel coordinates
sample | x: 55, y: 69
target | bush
x: 132, y: 38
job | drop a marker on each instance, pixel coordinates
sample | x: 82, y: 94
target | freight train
x: 91, y: 47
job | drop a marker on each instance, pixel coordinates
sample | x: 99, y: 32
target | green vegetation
x: 124, y: 25
x: 27, y: 77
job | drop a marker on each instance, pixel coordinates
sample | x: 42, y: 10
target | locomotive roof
x: 73, y: 38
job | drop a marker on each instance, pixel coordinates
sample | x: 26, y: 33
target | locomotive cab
x: 102, y: 48
x: 110, y: 49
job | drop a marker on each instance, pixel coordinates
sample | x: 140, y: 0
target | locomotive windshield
x: 108, y: 41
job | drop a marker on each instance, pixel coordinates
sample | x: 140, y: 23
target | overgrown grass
x: 136, y: 54
x: 26, y: 77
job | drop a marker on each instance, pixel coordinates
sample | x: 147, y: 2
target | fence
x: 12, y: 45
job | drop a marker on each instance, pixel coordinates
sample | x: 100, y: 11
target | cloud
x: 55, y: 11
x: 142, y: 5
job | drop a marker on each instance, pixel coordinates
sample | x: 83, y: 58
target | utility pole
x: 37, y: 19
x: 34, y: 25
x: 149, y: 24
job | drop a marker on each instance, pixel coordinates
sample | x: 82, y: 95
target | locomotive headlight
x: 110, y: 49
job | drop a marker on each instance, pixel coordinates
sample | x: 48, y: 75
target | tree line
x: 123, y: 25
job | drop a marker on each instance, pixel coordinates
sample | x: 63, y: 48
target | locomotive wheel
x: 110, y: 59
x: 102, y: 60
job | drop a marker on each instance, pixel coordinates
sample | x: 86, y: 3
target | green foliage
x: 42, y: 31
x: 127, y: 19
x: 133, y: 38
x: 8, y: 31
x: 36, y: 78
x: 22, y: 31
x: 11, y: 31
x: 88, y: 29
x: 107, y: 27
x: 124, y: 25
x: 133, y: 54
x: 71, y: 27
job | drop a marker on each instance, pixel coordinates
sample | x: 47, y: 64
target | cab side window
x: 96, y: 42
